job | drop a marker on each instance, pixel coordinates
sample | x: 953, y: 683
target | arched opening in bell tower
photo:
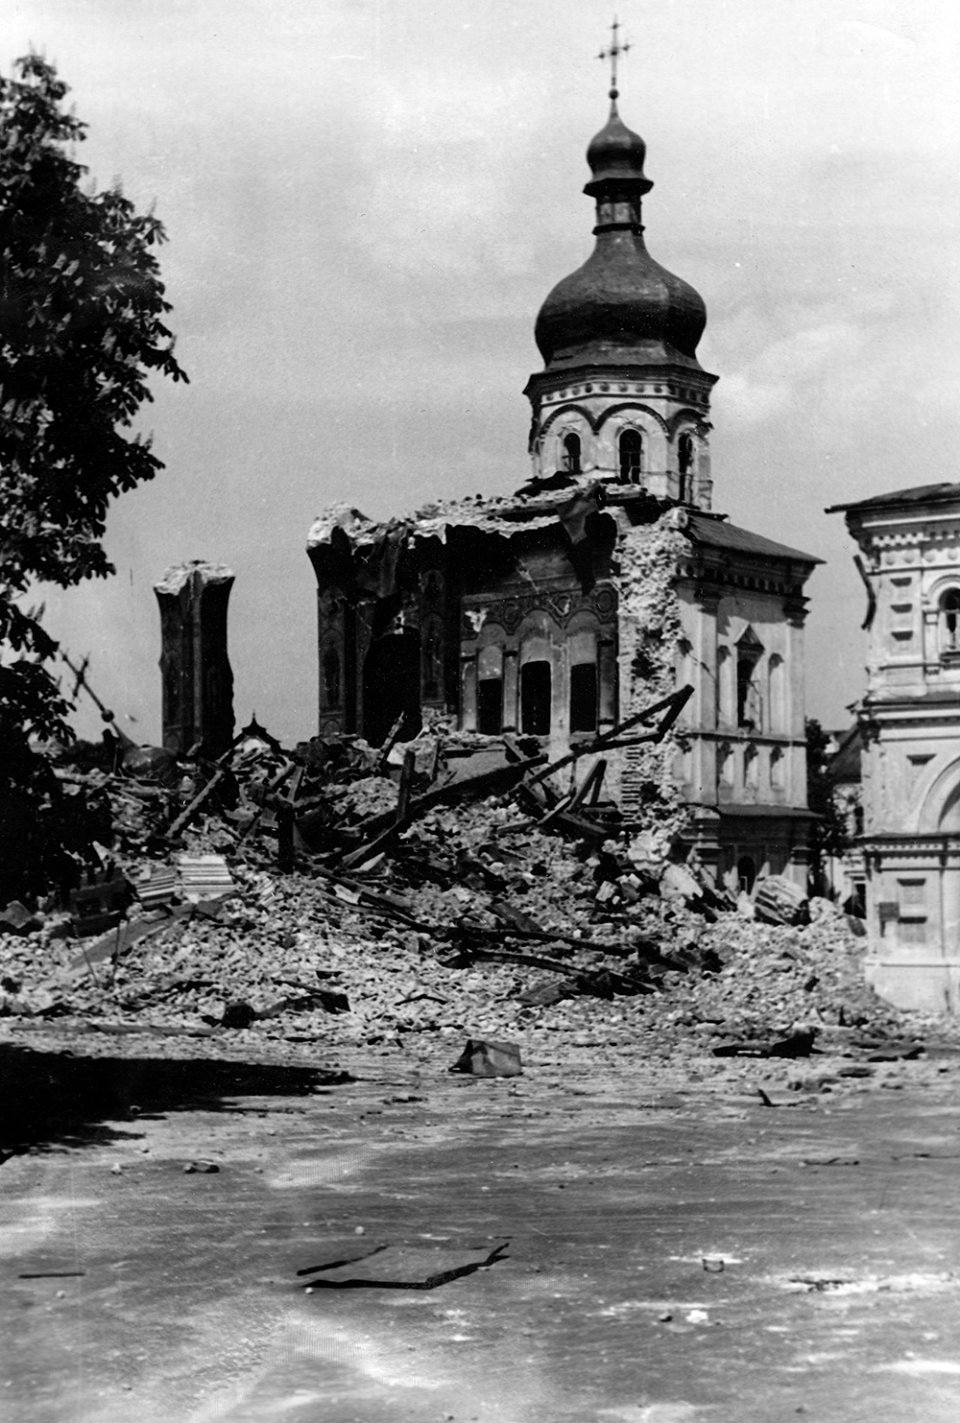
x: 571, y: 454
x: 630, y: 452
x: 686, y: 463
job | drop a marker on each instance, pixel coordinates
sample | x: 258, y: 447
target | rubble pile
x: 783, y: 978
x: 345, y: 896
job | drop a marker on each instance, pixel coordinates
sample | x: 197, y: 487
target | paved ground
x: 678, y: 1251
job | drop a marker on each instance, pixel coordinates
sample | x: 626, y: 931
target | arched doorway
x: 391, y: 686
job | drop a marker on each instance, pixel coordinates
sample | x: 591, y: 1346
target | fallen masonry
x: 438, y: 887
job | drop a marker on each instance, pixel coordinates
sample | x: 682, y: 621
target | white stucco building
x: 910, y: 556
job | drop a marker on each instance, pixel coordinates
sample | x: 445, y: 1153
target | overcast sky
x: 367, y: 201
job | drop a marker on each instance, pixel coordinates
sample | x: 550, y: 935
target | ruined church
x: 605, y: 582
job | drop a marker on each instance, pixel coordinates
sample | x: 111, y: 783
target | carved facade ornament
x: 560, y: 604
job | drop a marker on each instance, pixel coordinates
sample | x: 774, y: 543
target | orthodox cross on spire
x: 613, y: 53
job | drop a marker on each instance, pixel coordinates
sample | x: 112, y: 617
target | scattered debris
x: 489, y: 1059
x: 450, y: 884
x: 829, y: 1161
x: 16, y: 918
x: 238, y: 1015
x: 101, y: 904
x: 204, y: 877
x: 399, y: 1267
x: 779, y: 901
x: 51, y: 1274
x: 156, y: 886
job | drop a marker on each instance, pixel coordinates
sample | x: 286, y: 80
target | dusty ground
x: 639, y: 1228
x: 676, y: 1250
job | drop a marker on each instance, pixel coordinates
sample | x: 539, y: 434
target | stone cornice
x: 760, y: 574
x: 595, y: 380
x: 902, y: 533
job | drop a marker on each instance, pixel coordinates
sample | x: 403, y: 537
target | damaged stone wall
x: 563, y: 612
x: 475, y: 592
x: 650, y: 635
x: 194, y: 662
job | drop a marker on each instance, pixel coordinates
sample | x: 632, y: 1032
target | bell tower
x: 622, y: 397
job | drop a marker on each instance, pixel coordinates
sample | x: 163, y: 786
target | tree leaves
x: 82, y: 331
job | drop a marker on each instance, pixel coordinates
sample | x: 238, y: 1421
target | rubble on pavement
x: 350, y: 895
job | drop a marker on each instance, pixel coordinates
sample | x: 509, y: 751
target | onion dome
x: 621, y: 307
x: 616, y: 152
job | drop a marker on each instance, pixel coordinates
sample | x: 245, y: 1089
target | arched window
x: 490, y: 690
x: 584, y: 682
x: 777, y: 768
x: 950, y: 621
x: 631, y: 456
x: 725, y: 764
x: 536, y: 687
x: 571, y: 454
x: 686, y: 455
x: 535, y: 698
x: 749, y: 696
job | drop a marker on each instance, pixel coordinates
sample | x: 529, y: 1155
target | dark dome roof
x: 617, y: 152
x: 621, y: 307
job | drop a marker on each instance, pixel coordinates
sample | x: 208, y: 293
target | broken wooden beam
x: 381, y: 828
x: 390, y: 741
x: 668, y: 708
x: 186, y: 815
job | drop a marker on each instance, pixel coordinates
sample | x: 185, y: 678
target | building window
x: 684, y: 662
x: 571, y: 454
x: 912, y: 927
x: 686, y: 460
x: 584, y: 681
x: 913, y: 893
x: 749, y: 698
x: 777, y: 778
x: 776, y: 701
x: 631, y: 456
x: 746, y: 874
x: 331, y: 678
x: 723, y: 690
x: 490, y: 706
x: 584, y: 693
x: 751, y: 768
x: 535, y: 698
x: 490, y: 691
x: 950, y: 621
x: 725, y: 764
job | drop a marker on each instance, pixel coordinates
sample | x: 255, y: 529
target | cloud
x: 785, y: 375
